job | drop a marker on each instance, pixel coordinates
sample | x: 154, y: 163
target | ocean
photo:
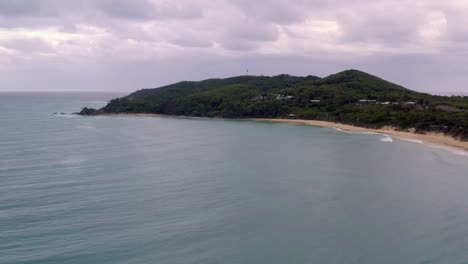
x: 133, y: 189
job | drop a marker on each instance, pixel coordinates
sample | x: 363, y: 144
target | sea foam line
x: 386, y: 137
x: 358, y: 132
x: 412, y: 140
x: 453, y: 150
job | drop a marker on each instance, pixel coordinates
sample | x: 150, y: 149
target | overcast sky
x: 124, y: 45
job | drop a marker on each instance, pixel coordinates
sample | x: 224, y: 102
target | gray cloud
x: 146, y: 9
x: 253, y: 31
x: 193, y: 42
x: 379, y: 29
x: 128, y: 44
x: 19, y: 7
x: 126, y: 9
x: 239, y: 45
x: 276, y: 11
x: 457, y: 29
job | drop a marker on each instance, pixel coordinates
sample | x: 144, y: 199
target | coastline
x: 431, y: 138
x: 437, y: 139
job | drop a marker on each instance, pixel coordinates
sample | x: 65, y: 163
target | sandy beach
x: 431, y: 138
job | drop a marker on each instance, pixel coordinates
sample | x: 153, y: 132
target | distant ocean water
x: 127, y: 189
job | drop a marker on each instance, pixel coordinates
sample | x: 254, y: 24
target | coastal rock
x: 85, y: 111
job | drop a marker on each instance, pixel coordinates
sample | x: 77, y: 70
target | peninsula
x: 350, y: 97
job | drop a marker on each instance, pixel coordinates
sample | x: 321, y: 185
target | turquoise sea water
x: 162, y: 190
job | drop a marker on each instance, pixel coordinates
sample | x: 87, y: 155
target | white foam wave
x: 413, y: 140
x: 386, y: 139
x: 344, y: 131
x: 459, y: 152
x: 455, y: 151
x: 358, y: 132
x: 370, y: 133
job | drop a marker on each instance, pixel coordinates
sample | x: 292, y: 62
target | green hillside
x: 351, y: 97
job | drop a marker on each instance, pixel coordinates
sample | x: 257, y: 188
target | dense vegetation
x: 351, y: 97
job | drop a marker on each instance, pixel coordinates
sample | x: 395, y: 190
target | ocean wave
x: 386, y: 139
x: 412, y: 140
x: 371, y: 133
x: 455, y: 151
x: 458, y: 152
x: 344, y: 131
x: 357, y: 132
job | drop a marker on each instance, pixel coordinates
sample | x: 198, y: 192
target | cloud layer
x: 129, y: 44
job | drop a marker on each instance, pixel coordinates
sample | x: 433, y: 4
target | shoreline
x: 437, y: 139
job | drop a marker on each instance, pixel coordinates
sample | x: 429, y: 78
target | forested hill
x: 351, y: 97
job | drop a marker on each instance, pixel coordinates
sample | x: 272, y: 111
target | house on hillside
x: 366, y: 101
x: 258, y: 98
x: 283, y: 97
